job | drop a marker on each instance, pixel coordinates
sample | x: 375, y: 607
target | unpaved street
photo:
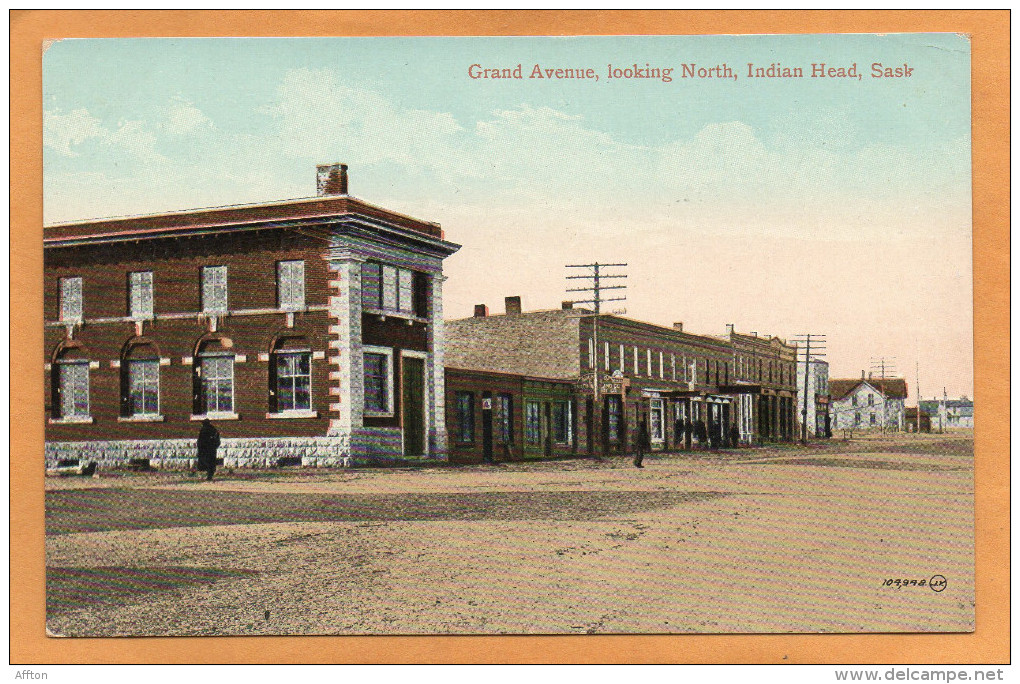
x: 754, y: 540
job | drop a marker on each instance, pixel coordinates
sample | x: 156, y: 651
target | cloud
x: 65, y: 132
x: 184, y: 118
x: 61, y: 132
x: 133, y: 137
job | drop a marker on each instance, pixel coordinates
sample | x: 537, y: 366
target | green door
x: 413, y: 403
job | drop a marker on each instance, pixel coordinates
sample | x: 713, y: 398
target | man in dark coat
x: 644, y: 443
x: 208, y: 443
x: 701, y: 433
x: 734, y: 437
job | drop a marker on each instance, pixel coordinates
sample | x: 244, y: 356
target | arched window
x: 70, y: 383
x: 290, y: 376
x: 139, y: 381
x: 214, y: 378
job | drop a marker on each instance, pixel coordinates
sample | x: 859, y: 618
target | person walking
x: 644, y: 443
x: 208, y: 443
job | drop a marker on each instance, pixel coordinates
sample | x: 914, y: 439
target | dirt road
x: 791, y: 539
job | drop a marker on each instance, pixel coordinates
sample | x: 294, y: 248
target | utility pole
x: 882, y: 366
x: 917, y: 388
x: 595, y: 276
x: 819, y: 351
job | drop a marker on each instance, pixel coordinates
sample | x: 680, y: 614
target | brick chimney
x: 331, y: 179
x: 513, y: 305
x: 729, y: 328
x: 567, y: 306
x: 481, y: 311
x: 678, y: 326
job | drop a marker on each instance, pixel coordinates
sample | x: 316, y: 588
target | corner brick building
x: 309, y: 331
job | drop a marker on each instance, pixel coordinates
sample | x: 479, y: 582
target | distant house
x: 912, y: 420
x: 868, y: 403
x: 949, y: 414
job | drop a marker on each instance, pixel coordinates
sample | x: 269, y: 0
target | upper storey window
x: 70, y: 300
x: 388, y: 288
x: 290, y: 284
x: 214, y: 289
x: 140, y: 294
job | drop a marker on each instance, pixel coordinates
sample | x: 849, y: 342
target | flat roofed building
x: 308, y: 330
x: 687, y: 390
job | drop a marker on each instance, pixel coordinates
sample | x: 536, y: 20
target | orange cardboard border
x: 989, y: 31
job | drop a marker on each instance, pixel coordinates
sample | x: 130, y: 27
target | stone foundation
x: 370, y: 446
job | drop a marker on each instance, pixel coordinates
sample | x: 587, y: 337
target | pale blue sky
x: 823, y: 193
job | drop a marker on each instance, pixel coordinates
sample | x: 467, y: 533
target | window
x: 871, y: 400
x: 70, y: 300
x: 873, y: 420
x: 293, y: 380
x: 562, y: 427
x: 606, y: 360
x: 662, y: 367
x: 636, y: 371
x: 465, y: 417
x: 672, y: 365
x: 140, y: 294
x: 614, y: 415
x: 214, y: 289
x: 648, y: 362
x: 656, y: 413
x: 853, y: 400
x: 216, y: 373
x: 857, y: 417
x: 389, y: 288
x: 371, y: 286
x: 377, y: 381
x: 591, y: 353
x: 533, y: 422
x: 140, y: 381
x: 143, y: 387
x: 505, y: 418
x: 290, y: 284
x: 73, y: 388
x: 405, y: 290
x: 622, y: 359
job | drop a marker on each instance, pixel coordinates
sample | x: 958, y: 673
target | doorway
x: 413, y: 405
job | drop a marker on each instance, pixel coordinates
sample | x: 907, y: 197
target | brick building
x: 629, y: 372
x: 508, y: 417
x: 868, y: 403
x: 308, y: 330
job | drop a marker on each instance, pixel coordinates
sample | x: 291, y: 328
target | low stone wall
x: 180, y: 454
x: 371, y: 446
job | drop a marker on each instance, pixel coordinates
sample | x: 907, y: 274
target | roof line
x: 247, y: 205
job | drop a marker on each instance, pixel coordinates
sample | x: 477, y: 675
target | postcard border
x: 989, y: 33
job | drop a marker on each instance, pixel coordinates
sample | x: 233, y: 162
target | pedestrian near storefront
x: 208, y: 443
x: 701, y: 432
x: 644, y: 443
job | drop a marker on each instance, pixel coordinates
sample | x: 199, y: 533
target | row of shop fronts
x: 556, y: 383
x: 495, y: 416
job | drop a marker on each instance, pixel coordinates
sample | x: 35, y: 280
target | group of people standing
x: 689, y: 432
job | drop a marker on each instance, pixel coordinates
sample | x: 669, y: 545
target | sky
x: 827, y: 205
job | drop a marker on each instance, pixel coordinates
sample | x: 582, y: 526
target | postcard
x: 508, y: 335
